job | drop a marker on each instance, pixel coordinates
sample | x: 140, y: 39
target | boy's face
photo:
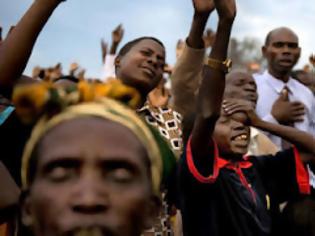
x: 232, y: 134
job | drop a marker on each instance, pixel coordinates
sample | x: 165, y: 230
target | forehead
x: 238, y: 77
x: 283, y: 35
x: 91, y: 139
x: 150, y: 44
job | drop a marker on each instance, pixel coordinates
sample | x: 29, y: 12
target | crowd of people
x: 194, y: 149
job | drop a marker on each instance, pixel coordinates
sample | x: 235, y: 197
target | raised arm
x: 302, y: 140
x: 117, y: 36
x: 186, y: 76
x: 17, y: 47
x: 213, y: 83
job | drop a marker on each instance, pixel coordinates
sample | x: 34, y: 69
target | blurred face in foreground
x: 92, y: 177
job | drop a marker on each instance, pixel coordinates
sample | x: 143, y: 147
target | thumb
x: 284, y: 95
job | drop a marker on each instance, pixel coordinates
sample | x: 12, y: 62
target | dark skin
x: 202, y: 11
x: 142, y: 67
x: 241, y: 85
x: 97, y: 188
x: 213, y: 83
x: 16, y: 49
x: 302, y: 140
x: 282, y: 52
x: 9, y: 198
x: 286, y: 112
x: 117, y: 36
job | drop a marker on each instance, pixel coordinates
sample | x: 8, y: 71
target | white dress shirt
x: 269, y: 89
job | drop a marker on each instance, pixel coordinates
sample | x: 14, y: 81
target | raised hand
x: 226, y: 9
x: 117, y: 34
x: 203, y: 6
x: 286, y: 112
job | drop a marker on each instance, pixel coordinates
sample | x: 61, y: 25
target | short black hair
x: 128, y: 46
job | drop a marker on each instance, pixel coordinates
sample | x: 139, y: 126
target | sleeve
x: 186, y: 78
x: 204, y: 171
x: 284, y: 175
x: 108, y: 67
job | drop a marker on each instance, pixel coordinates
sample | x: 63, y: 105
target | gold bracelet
x: 224, y: 66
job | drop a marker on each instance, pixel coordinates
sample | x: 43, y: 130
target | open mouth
x: 241, y: 137
x: 241, y: 140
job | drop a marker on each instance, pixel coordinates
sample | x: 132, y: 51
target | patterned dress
x: 168, y: 123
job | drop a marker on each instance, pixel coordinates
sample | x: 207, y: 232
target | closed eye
x: 61, y: 170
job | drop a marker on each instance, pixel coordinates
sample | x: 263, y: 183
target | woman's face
x: 143, y: 66
x: 92, y: 178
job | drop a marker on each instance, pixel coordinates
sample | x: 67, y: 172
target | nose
x: 90, y: 196
x: 286, y: 49
x: 153, y: 61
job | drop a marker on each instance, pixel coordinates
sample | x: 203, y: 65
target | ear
x: 264, y: 51
x: 152, y: 211
x: 117, y: 62
x: 26, y: 212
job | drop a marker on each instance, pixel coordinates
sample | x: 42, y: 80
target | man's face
x: 92, y: 178
x: 241, y: 86
x: 143, y: 66
x: 282, y: 52
x: 231, y: 134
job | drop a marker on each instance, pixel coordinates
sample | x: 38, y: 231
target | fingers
x: 297, y: 119
x: 232, y: 107
x: 298, y: 105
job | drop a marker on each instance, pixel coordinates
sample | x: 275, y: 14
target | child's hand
x: 232, y: 106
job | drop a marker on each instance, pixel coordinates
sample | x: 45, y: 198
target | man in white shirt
x: 281, y: 98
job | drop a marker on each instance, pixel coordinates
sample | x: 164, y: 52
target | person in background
x: 282, y: 51
x: 139, y: 64
x: 109, y: 59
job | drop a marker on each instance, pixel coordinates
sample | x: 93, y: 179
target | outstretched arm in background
x: 109, y: 59
x: 17, y: 47
x: 186, y: 75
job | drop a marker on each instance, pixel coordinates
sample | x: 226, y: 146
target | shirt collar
x: 278, y: 84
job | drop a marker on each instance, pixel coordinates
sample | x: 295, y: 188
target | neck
x: 283, y: 75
